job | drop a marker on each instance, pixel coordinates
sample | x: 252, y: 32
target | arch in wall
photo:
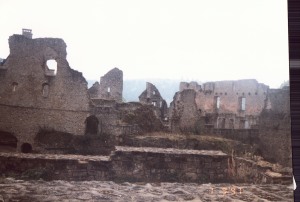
x: 8, y: 142
x: 45, y: 89
x: 26, y: 148
x: 91, y: 125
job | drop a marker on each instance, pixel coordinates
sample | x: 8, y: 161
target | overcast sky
x: 204, y: 40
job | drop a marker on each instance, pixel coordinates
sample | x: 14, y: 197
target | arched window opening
x: 45, y: 90
x: 14, y: 86
x: 108, y: 89
x: 26, y: 148
x: 51, y: 67
x: 91, y: 127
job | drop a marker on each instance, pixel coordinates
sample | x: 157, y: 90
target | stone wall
x: 230, y: 94
x: 228, y: 104
x: 192, y: 85
x: 152, y: 96
x: 171, y: 165
x: 56, y: 167
x: 125, y: 164
x: 25, y: 122
x: 275, y: 128
x: 132, y: 164
x: 25, y: 77
x: 183, y: 112
x: 111, y: 85
x: 32, y: 96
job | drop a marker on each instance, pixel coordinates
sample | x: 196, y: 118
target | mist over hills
x: 134, y: 87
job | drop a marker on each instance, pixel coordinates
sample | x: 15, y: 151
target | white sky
x: 205, y: 40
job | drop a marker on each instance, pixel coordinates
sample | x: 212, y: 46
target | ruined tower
x: 111, y: 85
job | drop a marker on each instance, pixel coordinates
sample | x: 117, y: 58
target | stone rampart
x: 144, y: 164
x: 171, y: 165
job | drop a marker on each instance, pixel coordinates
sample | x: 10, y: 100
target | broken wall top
x: 111, y: 86
x: 23, y: 46
x: 27, y: 81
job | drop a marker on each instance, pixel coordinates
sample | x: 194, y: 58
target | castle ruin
x: 36, y: 98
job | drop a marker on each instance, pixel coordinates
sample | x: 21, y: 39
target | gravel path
x: 33, y: 191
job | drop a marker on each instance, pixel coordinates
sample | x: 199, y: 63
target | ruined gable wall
x: 111, y: 85
x: 151, y: 94
x: 24, y: 108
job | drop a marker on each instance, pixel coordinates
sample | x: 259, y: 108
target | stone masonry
x: 152, y: 96
x: 226, y: 108
x: 32, y: 96
x: 110, y: 86
x: 222, y: 104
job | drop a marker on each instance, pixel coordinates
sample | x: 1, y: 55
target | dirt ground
x: 33, y: 191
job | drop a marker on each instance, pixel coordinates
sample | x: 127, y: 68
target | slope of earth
x: 194, y: 142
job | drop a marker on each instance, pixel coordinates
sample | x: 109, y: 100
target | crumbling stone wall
x: 125, y: 164
x: 184, y: 113
x: 106, y: 113
x: 110, y: 87
x: 217, y: 109
x: 225, y: 97
x: 32, y: 96
x: 152, y: 96
x: 54, y: 167
x: 222, y: 104
x: 192, y: 85
x: 143, y: 117
x: 94, y: 90
x: 275, y: 128
x: 171, y: 165
x: 144, y: 164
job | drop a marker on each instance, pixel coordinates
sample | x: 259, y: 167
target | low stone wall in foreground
x: 134, y: 164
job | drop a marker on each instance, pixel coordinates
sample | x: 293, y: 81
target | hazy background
x: 200, y: 40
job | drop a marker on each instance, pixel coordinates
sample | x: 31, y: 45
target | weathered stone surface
x: 219, y: 103
x: 152, y: 96
x: 32, y: 96
x: 228, y: 108
x: 19, y: 190
x: 275, y: 128
x: 110, y: 86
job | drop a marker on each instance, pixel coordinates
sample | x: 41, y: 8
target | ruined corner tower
x: 110, y: 87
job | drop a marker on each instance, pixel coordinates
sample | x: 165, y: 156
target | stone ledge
x: 56, y: 156
x: 169, y: 151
